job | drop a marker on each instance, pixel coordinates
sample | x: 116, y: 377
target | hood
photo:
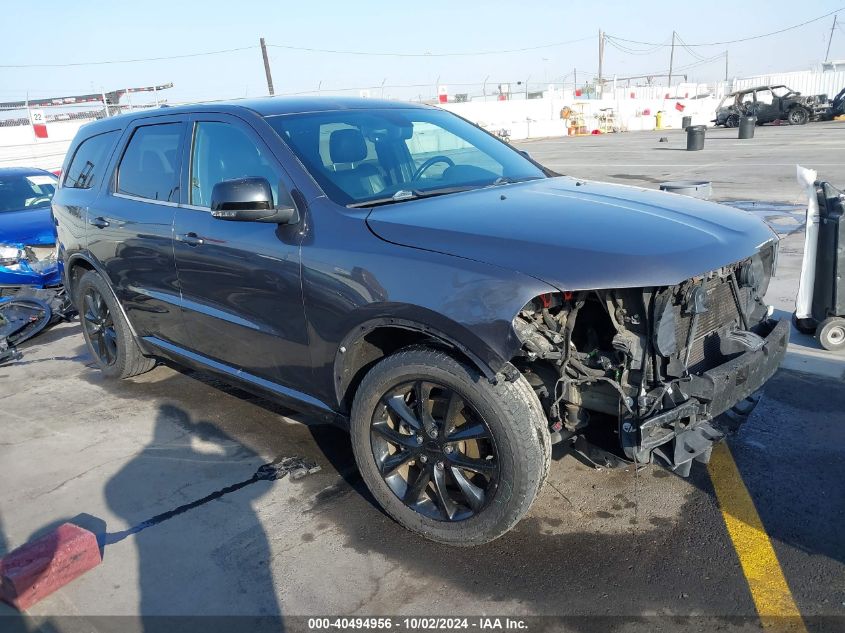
x: 578, y: 235
x: 29, y: 226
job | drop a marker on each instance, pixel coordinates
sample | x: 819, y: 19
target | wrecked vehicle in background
x: 398, y: 271
x: 771, y: 103
x: 27, y: 234
x: 31, y: 292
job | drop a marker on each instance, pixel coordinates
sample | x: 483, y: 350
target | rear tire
x: 108, y: 336
x: 513, y: 446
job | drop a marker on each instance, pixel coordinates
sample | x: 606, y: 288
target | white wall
x: 19, y: 147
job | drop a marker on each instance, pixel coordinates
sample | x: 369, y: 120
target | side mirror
x: 250, y: 200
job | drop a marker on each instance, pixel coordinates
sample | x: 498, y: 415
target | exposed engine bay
x: 647, y: 364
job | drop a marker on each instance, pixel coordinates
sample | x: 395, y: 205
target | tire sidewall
x: 513, y: 479
x: 123, y: 334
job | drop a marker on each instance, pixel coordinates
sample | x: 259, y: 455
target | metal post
x: 484, y: 88
x: 267, y: 68
x: 726, y: 65
x: 830, y: 39
x: 601, y: 62
x: 671, y: 60
x: 526, y: 87
x: 105, y: 102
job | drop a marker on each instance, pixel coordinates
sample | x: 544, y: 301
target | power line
x: 427, y: 54
x: 744, y: 39
x: 130, y: 61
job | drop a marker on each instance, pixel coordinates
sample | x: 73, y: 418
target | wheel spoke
x: 395, y: 437
x: 392, y: 463
x: 483, y: 466
x: 398, y: 406
x: 422, y: 392
x: 472, y: 493
x: 110, y: 340
x: 413, y: 492
x: 446, y: 504
x: 468, y: 431
x: 90, y: 308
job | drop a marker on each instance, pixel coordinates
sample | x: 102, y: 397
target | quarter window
x: 222, y: 151
x: 149, y: 165
x: 90, y: 160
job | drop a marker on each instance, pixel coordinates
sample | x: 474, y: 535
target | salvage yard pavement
x: 755, y: 533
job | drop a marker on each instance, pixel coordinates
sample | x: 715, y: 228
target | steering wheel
x: 35, y: 201
x: 432, y: 161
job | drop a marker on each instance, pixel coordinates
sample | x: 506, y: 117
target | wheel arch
x: 77, y: 265
x: 377, y: 338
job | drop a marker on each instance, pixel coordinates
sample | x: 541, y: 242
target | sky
x: 67, y: 33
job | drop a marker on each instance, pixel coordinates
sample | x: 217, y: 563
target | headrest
x: 347, y: 146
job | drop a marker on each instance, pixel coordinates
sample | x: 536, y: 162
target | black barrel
x: 686, y: 122
x: 746, y: 126
x: 695, y: 137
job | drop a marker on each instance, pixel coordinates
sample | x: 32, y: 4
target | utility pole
x: 830, y: 39
x: 726, y: 65
x: 671, y: 60
x: 601, y: 63
x: 267, y: 67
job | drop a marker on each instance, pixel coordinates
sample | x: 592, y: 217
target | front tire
x: 798, y: 116
x: 446, y: 453
x: 107, y: 334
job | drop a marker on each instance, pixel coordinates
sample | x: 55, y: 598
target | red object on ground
x: 35, y: 570
x: 578, y: 92
x: 679, y: 107
x: 633, y: 95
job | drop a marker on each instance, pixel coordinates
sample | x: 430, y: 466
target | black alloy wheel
x: 99, y: 326
x: 434, y: 451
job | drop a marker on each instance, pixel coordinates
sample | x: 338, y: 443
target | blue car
x: 27, y: 233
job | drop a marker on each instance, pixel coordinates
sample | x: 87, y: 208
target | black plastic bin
x: 695, y: 137
x: 828, y: 304
x: 747, y: 124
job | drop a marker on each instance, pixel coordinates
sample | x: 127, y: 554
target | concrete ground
x: 111, y: 455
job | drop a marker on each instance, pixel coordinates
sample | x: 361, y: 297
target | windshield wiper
x: 509, y: 180
x: 403, y: 195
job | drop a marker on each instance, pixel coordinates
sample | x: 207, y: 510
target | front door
x: 240, y: 281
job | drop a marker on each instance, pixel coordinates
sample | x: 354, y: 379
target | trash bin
x: 695, y: 137
x: 686, y: 122
x: 746, y: 126
x: 827, y: 307
x: 693, y: 188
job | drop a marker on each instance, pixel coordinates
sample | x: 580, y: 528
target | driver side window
x: 221, y: 151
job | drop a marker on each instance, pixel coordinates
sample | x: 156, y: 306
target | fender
x: 489, y: 364
x: 91, y: 261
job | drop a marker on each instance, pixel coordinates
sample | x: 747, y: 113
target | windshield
x: 781, y: 91
x: 389, y: 155
x: 26, y: 191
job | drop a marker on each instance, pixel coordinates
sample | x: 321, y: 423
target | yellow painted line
x: 772, y: 599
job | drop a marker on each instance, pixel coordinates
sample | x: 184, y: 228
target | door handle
x: 100, y: 222
x: 191, y: 239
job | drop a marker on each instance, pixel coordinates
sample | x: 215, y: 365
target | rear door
x: 241, y: 291
x: 130, y: 228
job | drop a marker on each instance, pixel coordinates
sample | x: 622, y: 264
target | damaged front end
x: 28, y: 266
x: 652, y: 367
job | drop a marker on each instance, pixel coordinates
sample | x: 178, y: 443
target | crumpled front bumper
x: 24, y: 274
x: 687, y: 432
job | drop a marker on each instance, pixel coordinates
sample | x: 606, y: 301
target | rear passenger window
x: 90, y: 160
x: 148, y: 168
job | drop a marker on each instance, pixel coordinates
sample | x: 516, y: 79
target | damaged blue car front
x: 27, y: 233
